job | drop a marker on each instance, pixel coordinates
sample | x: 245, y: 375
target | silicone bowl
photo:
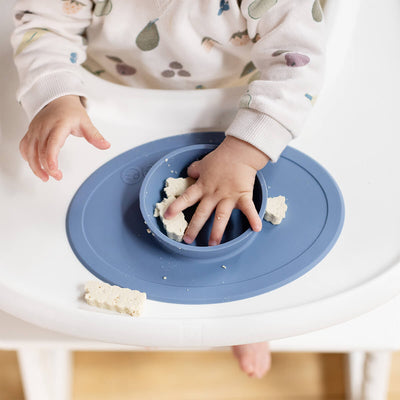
x: 238, y: 234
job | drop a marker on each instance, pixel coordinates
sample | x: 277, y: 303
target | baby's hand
x: 225, y: 180
x: 48, y: 131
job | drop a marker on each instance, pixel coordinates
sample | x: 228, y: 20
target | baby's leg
x: 254, y: 358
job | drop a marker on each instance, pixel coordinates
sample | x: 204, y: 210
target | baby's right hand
x: 48, y: 131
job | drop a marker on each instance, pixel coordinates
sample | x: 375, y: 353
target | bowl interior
x: 176, y: 166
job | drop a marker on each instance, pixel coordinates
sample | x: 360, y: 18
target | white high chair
x: 42, y: 285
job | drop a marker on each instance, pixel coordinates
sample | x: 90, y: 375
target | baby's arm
x: 288, y: 54
x: 289, y: 57
x: 48, y: 47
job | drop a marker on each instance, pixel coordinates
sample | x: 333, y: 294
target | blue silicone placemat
x: 106, y: 231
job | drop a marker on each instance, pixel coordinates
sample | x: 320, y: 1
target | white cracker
x: 115, y: 298
x: 175, y: 227
x: 276, y: 209
x: 176, y: 186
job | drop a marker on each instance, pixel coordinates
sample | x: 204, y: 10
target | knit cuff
x: 261, y: 131
x: 48, y: 88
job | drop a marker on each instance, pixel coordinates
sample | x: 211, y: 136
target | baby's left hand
x: 225, y: 180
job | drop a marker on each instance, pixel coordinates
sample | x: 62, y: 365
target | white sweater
x: 274, y: 47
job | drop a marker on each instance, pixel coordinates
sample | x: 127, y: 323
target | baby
x: 274, y: 47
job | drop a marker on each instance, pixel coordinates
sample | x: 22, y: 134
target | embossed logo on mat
x: 131, y: 175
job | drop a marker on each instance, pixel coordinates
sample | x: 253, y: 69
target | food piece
x: 176, y: 186
x: 276, y: 209
x: 114, y: 298
x: 174, y: 227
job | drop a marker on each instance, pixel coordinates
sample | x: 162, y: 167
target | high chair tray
x: 106, y: 230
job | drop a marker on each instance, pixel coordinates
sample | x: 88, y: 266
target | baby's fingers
x: 200, y: 217
x: 23, y: 148
x: 193, y: 170
x: 189, y: 197
x: 33, y: 160
x: 246, y: 205
x: 93, y: 136
x: 222, y: 214
x: 55, y: 141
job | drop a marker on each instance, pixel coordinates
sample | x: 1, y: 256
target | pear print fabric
x: 29, y: 37
x: 273, y: 48
x: 103, y: 8
x: 72, y: 6
x: 121, y: 67
x: 317, y: 11
x: 223, y: 6
x: 258, y: 8
x: 285, y: 72
x: 48, y: 50
x: 293, y: 59
x: 176, y: 67
x: 208, y: 43
x: 148, y: 37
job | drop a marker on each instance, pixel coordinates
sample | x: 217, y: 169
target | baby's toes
x: 247, y: 365
x: 262, y: 366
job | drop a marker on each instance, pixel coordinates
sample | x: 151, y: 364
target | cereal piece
x: 276, y: 210
x: 176, y: 186
x: 175, y: 227
x: 114, y: 298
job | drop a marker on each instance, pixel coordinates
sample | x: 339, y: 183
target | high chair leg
x: 46, y: 373
x: 376, y: 375
x: 367, y: 375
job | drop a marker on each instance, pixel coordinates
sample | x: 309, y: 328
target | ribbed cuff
x: 48, y: 88
x: 261, y: 131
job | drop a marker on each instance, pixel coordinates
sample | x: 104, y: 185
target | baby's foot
x: 254, y: 358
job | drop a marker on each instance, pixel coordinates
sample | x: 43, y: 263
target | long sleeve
x: 288, y: 53
x: 49, y: 46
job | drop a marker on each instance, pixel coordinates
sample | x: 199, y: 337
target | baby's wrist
x: 67, y: 98
x: 245, y: 152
